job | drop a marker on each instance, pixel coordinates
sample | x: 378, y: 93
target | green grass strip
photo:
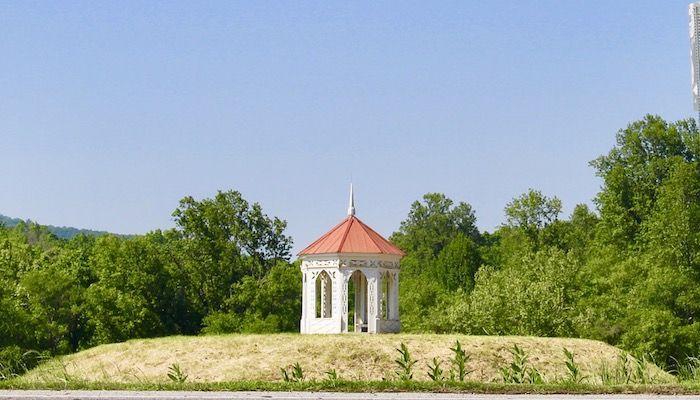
x: 362, y: 386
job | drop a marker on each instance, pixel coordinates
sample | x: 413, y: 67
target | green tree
x: 457, y: 263
x: 225, y: 239
x: 580, y: 235
x: 53, y: 299
x: 634, y: 170
x: 271, y: 303
x: 130, y: 277
x: 440, y: 239
x: 422, y: 304
x: 647, y: 241
x: 532, y: 212
x: 434, y: 222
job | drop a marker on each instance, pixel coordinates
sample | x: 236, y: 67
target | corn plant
x: 434, y: 370
x: 331, y: 375
x: 459, y: 363
x: 517, y: 370
x: 294, y: 373
x: 572, y: 368
x: 285, y: 375
x: 534, y: 376
x: 297, y: 372
x: 176, y: 374
x: 404, y: 364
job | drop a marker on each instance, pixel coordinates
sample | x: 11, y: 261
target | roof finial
x: 351, y: 206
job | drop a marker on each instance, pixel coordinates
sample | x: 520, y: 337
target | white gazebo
x: 350, y: 280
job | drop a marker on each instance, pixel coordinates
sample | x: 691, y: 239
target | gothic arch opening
x: 357, y: 302
x: 324, y: 295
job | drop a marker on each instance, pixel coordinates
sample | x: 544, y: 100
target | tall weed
x: 435, y: 372
x: 459, y: 363
x: 572, y: 368
x: 332, y: 375
x: 519, y: 370
x: 404, y: 363
x: 176, y: 374
x: 293, y: 373
x: 688, y: 369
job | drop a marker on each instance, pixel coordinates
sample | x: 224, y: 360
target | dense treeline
x: 225, y: 267
x: 627, y: 272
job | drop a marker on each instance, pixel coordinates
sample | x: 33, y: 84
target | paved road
x: 128, y: 395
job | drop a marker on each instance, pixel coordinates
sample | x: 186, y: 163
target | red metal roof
x: 352, y: 236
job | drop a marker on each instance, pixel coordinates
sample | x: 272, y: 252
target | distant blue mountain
x: 64, y: 232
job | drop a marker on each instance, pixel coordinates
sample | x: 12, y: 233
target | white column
x: 385, y: 295
x: 338, y: 291
x: 395, y: 296
x: 356, y: 282
x: 343, y: 300
x: 360, y: 311
x: 373, y: 293
x: 311, y: 296
x: 380, y: 289
x: 304, y: 312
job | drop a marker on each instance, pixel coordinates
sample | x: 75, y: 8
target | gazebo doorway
x: 357, y: 302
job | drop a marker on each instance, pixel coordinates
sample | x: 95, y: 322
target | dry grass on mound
x: 353, y: 356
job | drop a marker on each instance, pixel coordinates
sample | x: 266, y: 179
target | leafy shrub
x: 256, y: 324
x: 271, y: 303
x: 529, y: 296
x: 660, y: 333
x: 229, y: 322
x: 688, y: 369
x: 221, y: 322
x: 14, y: 361
x: 422, y: 295
x: 10, y: 362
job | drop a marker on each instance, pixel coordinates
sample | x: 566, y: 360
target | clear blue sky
x: 110, y: 112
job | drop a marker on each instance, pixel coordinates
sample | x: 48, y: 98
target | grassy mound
x: 354, y: 357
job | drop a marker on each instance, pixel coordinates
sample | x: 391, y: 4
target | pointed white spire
x: 351, y: 206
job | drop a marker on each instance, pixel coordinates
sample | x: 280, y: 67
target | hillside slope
x: 354, y: 357
x: 63, y: 232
